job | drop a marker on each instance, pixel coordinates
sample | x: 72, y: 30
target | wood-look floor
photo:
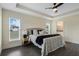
x: 70, y: 49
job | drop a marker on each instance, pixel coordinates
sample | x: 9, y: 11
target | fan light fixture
x: 55, y: 6
x: 55, y: 10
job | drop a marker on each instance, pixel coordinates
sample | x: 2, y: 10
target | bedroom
x: 31, y: 17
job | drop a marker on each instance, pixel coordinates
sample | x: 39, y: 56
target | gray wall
x: 27, y: 21
x: 71, y: 28
x: 0, y: 30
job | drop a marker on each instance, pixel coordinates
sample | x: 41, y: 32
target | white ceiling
x: 39, y: 8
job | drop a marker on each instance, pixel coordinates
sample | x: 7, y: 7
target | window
x: 14, y: 29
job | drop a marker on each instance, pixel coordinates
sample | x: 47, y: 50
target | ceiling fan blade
x: 49, y: 8
x: 58, y: 5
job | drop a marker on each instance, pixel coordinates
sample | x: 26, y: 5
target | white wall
x: 53, y: 27
x: 0, y: 30
x: 71, y: 28
x: 27, y: 21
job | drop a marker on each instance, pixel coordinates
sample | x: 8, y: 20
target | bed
x: 46, y: 41
x: 38, y: 39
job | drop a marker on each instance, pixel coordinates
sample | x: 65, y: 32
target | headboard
x: 31, y: 31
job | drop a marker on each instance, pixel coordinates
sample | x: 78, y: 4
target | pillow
x: 43, y: 32
x: 35, y: 32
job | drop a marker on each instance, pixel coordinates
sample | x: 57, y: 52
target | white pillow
x: 43, y: 32
x: 35, y: 32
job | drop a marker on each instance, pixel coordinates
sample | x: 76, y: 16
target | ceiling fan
x: 55, y: 6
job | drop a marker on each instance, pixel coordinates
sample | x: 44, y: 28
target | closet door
x: 0, y: 30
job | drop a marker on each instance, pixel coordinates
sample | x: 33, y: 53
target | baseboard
x: 12, y: 47
x: 71, y: 42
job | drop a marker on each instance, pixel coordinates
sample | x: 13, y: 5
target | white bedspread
x: 51, y: 44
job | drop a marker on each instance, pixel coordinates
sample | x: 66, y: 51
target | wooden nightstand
x: 26, y: 40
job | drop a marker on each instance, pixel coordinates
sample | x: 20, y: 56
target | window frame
x: 9, y: 30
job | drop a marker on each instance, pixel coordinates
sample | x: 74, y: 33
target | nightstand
x: 26, y: 40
